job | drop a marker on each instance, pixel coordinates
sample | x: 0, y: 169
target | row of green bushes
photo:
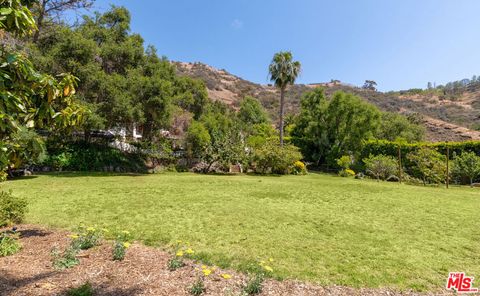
x: 83, y: 156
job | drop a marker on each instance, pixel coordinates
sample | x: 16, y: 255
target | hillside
x: 445, y: 120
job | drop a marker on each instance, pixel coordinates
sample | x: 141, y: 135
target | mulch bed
x: 143, y: 272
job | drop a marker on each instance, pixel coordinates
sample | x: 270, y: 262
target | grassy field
x: 320, y: 228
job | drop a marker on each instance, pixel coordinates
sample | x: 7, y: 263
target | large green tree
x: 283, y: 72
x: 124, y: 84
x: 326, y: 129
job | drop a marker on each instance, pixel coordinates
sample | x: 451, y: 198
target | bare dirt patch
x: 143, y: 272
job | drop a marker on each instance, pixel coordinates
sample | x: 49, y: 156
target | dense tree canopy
x: 124, y: 84
x: 329, y: 128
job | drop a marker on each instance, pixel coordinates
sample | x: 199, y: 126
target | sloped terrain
x: 445, y: 120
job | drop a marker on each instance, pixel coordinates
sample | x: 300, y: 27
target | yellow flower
x: 126, y: 245
x: 90, y: 229
x: 270, y: 259
x: 268, y: 268
x: 189, y: 251
x: 180, y: 253
x: 73, y: 236
x: 206, y: 272
x: 204, y: 267
x: 226, y: 276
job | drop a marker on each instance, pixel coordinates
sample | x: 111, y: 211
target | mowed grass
x: 320, y: 228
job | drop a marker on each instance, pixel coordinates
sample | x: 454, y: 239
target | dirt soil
x: 143, y: 272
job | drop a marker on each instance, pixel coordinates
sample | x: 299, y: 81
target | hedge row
x: 376, y: 147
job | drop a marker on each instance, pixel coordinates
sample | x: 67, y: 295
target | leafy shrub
x: 9, y: 244
x: 12, y: 209
x: 429, y: 165
x: 175, y: 263
x: 3, y: 176
x: 381, y: 166
x: 270, y: 157
x: 347, y: 173
x: 198, y: 287
x: 466, y: 165
x: 84, y: 290
x: 254, y: 285
x: 87, y: 237
x: 345, y: 162
x: 82, y: 156
x: 299, y: 168
x: 65, y: 259
x: 121, y: 245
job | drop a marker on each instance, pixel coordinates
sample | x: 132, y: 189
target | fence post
x: 448, y: 174
x: 399, y: 163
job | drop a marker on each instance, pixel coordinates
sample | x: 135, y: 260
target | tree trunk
x: 282, y: 102
x: 471, y: 182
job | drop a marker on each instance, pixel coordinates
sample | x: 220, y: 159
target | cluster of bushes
x: 424, y: 163
x: 84, y: 156
x: 12, y: 210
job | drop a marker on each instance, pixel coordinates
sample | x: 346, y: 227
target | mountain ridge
x: 445, y: 120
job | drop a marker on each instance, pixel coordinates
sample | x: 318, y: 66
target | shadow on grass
x: 22, y: 178
x: 90, y: 174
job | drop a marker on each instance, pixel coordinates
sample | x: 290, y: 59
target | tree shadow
x: 10, y: 285
x: 90, y: 174
x: 19, y: 178
x: 33, y: 232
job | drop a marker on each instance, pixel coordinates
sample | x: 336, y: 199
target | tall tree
x: 283, y: 72
x: 47, y: 10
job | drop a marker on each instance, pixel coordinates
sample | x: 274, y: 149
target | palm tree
x: 283, y: 72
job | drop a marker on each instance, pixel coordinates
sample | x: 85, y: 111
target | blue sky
x: 400, y: 44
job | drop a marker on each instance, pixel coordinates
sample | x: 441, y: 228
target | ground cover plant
x: 321, y: 228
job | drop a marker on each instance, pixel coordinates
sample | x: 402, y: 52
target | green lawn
x: 320, y: 228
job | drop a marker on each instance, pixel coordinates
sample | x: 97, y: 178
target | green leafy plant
x: 84, y: 290
x: 346, y: 173
x: 9, y: 244
x: 66, y: 259
x: 466, y: 165
x: 428, y: 165
x: 87, y: 238
x: 12, y: 209
x: 198, y: 287
x: 121, y: 245
x: 381, y: 166
x: 175, y: 263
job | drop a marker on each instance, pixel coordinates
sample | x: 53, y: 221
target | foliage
x: 251, y: 112
x: 345, y: 161
x: 198, y: 287
x: 9, y: 244
x: 12, y: 209
x: 381, y: 166
x: 124, y: 84
x: 254, y: 285
x: 83, y: 156
x: 175, y: 263
x: 328, y: 129
x: 429, y: 165
x: 66, y: 259
x: 395, y: 126
x: 216, y: 138
x: 87, y: 237
x: 346, y: 173
x: 121, y: 245
x: 272, y: 158
x: 29, y: 99
x: 299, y: 168
x: 283, y: 72
x: 466, y: 165
x: 84, y: 290
x: 370, y: 85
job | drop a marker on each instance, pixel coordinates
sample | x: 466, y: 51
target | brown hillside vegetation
x: 445, y: 120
